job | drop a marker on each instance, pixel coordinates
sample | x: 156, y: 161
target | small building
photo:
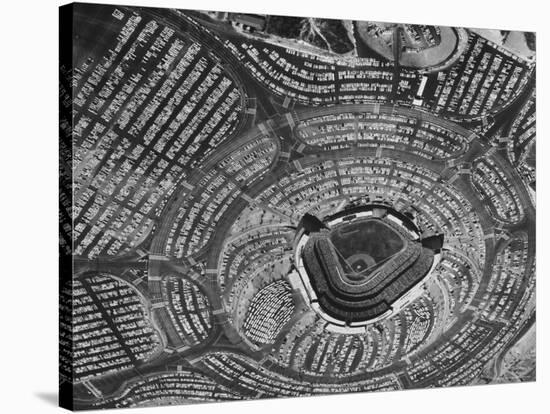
x: 252, y: 21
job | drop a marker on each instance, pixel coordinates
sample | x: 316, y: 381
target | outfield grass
x: 365, y: 243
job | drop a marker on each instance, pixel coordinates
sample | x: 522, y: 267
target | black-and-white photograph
x: 256, y: 206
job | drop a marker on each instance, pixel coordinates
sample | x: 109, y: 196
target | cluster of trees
x: 530, y: 39
x: 328, y: 34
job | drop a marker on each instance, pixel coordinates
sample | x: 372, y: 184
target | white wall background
x: 28, y: 206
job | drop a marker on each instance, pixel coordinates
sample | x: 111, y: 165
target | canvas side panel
x: 65, y: 206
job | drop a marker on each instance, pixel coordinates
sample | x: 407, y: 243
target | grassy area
x: 366, y: 242
x: 95, y: 29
